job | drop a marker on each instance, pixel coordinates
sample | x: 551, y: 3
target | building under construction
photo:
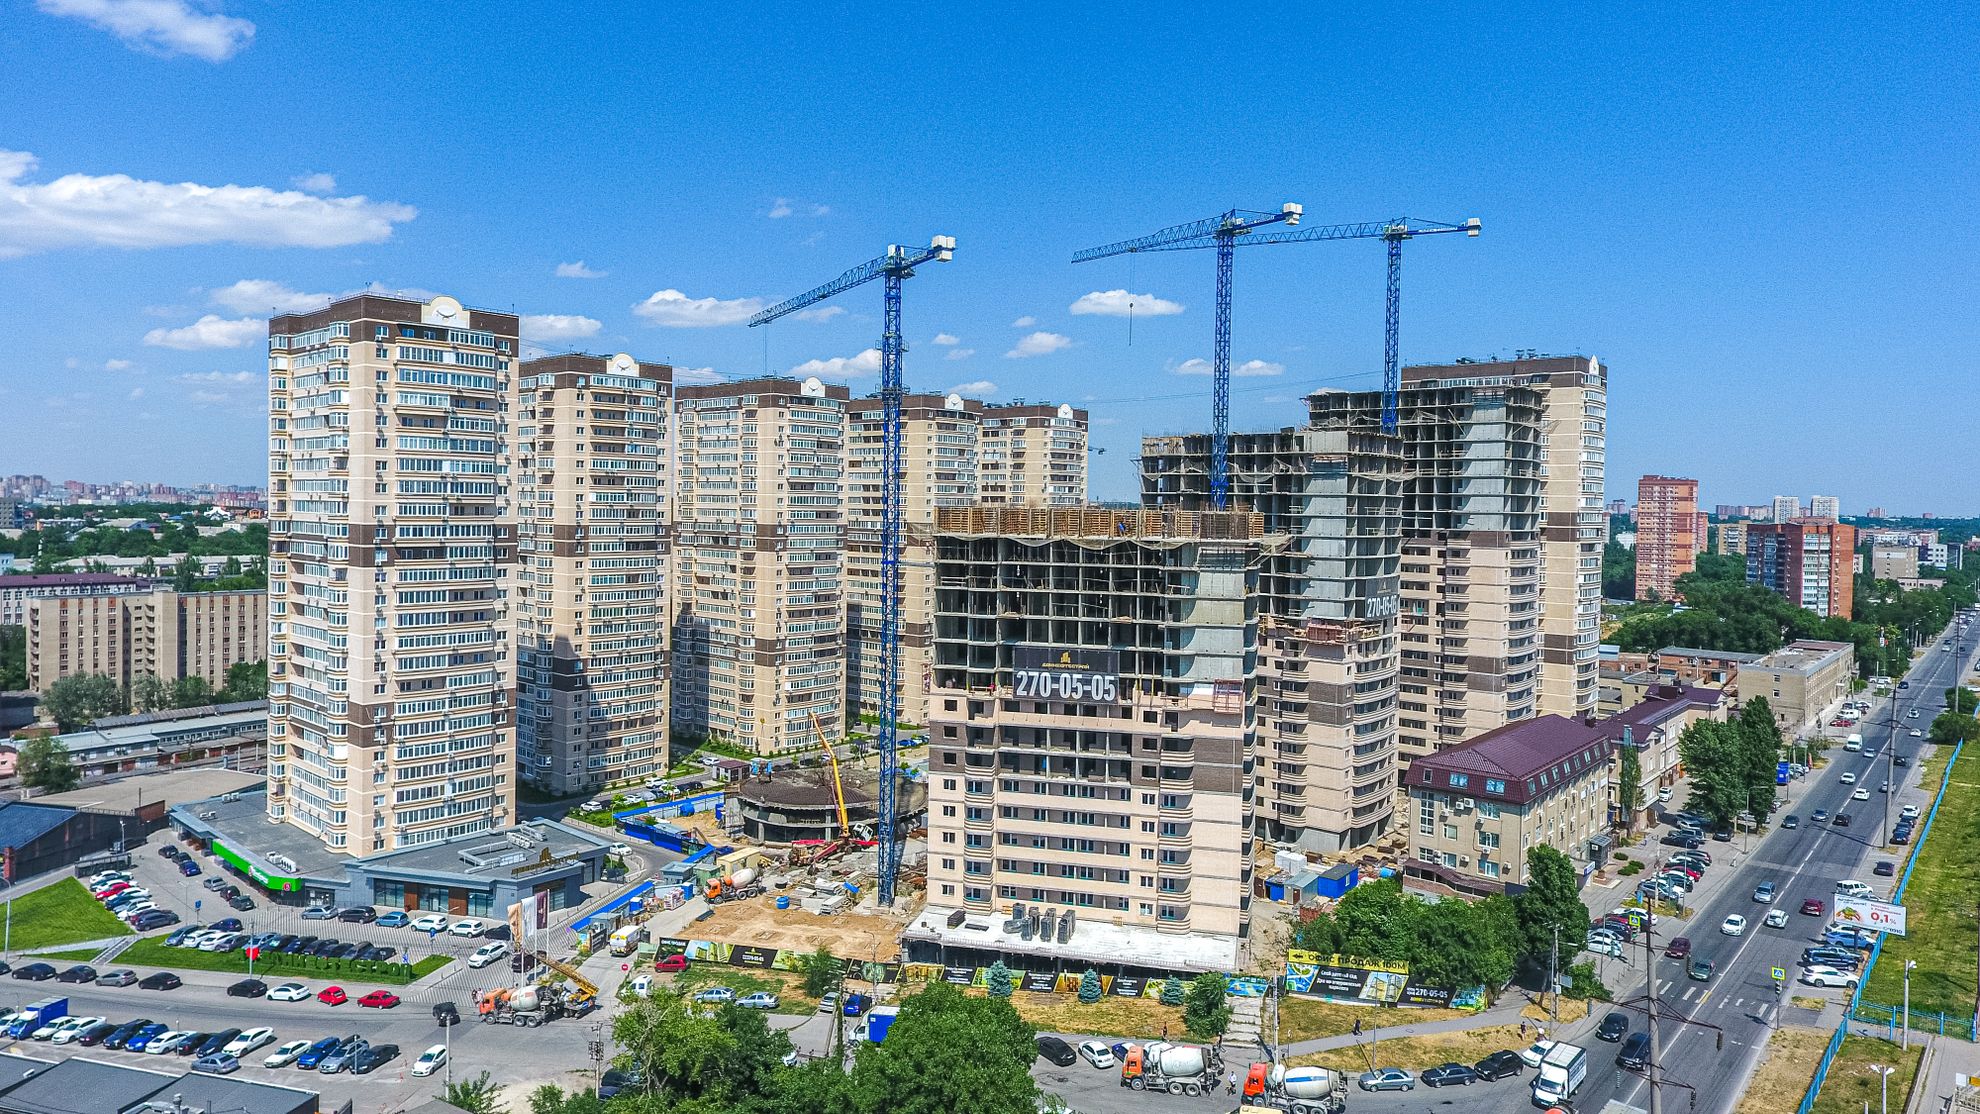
x: 1091, y: 732
x: 802, y: 804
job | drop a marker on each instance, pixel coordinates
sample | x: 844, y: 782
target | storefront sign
x: 262, y: 877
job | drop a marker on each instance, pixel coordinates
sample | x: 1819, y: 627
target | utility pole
x: 1904, y: 1034
x: 1553, y: 974
x: 1650, y: 1009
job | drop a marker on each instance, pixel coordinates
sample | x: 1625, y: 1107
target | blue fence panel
x: 1822, y: 1068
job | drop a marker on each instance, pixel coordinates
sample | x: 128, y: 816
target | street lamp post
x: 1884, y: 1076
x: 1904, y: 1038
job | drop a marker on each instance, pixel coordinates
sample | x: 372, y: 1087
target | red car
x: 111, y: 890
x: 379, y: 1000
x: 1689, y: 872
x: 1812, y: 907
x: 332, y: 996
x: 1680, y: 947
x: 671, y: 964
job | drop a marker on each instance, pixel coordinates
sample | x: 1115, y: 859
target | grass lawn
x: 63, y: 913
x: 788, y: 986
x: 1305, y: 1019
x: 1939, y: 902
x: 152, y: 952
x: 1138, y: 1019
x: 1417, y: 1053
x: 1851, y: 1082
x: 73, y: 955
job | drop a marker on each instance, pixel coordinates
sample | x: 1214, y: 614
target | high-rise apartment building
x: 592, y: 508
x: 1573, y: 398
x: 759, y: 541
x: 1330, y: 498
x: 160, y: 633
x: 1786, y: 507
x: 1732, y: 538
x: 1894, y: 562
x: 1825, y: 506
x: 1091, y: 726
x: 1667, y: 535
x: 1032, y: 455
x: 1811, y: 561
x: 390, y: 675
x: 1701, y: 537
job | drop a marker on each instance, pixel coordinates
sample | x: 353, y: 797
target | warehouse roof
x: 22, y: 824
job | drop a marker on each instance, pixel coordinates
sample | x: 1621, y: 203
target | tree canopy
x: 75, y: 702
x: 44, y: 764
x: 1446, y: 943
x: 1552, y: 900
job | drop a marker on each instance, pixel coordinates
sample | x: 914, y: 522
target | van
x: 1854, y: 742
x: 1635, y: 1052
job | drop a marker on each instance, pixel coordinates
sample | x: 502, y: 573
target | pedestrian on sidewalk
x: 1522, y: 1028
x: 1357, y: 1026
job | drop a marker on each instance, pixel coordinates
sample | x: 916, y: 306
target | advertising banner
x: 745, y: 955
x: 1863, y: 912
x: 542, y: 910
x: 1039, y: 982
x: 959, y: 976
x: 1338, y: 976
x: 1129, y: 986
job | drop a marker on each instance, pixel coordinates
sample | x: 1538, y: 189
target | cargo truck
x: 1295, y: 1090
x: 1560, y: 1075
x: 879, y: 1021
x: 1180, y: 1069
x: 627, y: 939
x: 34, y: 1015
x: 733, y: 887
x: 528, y: 1006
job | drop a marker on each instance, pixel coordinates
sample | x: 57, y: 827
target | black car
x: 242, y: 902
x: 1499, y: 1065
x: 1722, y: 835
x: 115, y: 1040
x: 282, y: 942
x: 446, y: 1014
x: 81, y: 972
x: 215, y: 1042
x: 325, y: 946
x: 358, y: 914
x: 1614, y: 1027
x: 34, y: 972
x: 381, y: 953
x: 372, y: 1057
x: 154, y: 918
x: 191, y: 1044
x: 345, y: 951
x: 615, y: 1081
x: 95, y: 1034
x: 1450, y: 1075
x: 163, y: 980
x: 230, y: 891
x: 247, y: 988
x: 1790, y: 822
x: 1900, y: 760
x: 1885, y: 869
x: 227, y: 924
x: 168, y: 852
x: 1635, y: 1052
x: 299, y: 945
x: 1057, y: 1051
x: 1682, y: 839
x: 1901, y: 837
x: 1842, y: 820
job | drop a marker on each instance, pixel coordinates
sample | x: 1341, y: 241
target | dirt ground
x: 1417, y: 1053
x: 759, y: 922
x: 1784, y: 1070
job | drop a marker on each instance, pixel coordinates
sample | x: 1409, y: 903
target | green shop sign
x: 267, y: 880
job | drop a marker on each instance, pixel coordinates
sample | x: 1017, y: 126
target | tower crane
x: 1223, y: 233
x: 893, y: 268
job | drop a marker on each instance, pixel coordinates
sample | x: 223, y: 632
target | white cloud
x: 780, y: 208
x: 960, y: 353
x: 72, y: 363
x: 577, y: 270
x: 947, y: 338
x: 1038, y: 344
x: 210, y: 331
x: 1247, y: 369
x: 676, y: 310
x: 222, y: 377
x: 1025, y: 322
x: 315, y: 182
x: 116, y: 365
x: 979, y: 388
x: 136, y: 393
x: 165, y: 27
x: 696, y: 375
x: 210, y: 398
x: 1119, y: 303
x: 819, y: 313
x: 841, y: 367
x: 265, y: 296
x: 558, y: 326
x: 118, y: 211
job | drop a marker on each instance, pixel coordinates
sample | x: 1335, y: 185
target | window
x: 1459, y: 781
x: 1488, y: 868
x: 1494, y: 785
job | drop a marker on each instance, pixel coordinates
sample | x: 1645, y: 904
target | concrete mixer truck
x: 527, y: 1006
x: 1180, y: 1069
x: 733, y: 887
x: 1296, y: 1090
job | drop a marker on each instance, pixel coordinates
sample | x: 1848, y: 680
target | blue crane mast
x: 1222, y: 233
x: 892, y: 268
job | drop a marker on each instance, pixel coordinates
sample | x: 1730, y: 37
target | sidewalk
x: 1946, y: 1059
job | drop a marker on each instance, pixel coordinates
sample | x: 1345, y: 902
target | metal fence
x: 1890, y: 1017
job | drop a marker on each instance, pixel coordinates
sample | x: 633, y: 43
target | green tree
x: 1206, y: 1013
x: 1552, y: 900
x: 1618, y: 572
x: 231, y: 567
x: 948, y: 1053
x: 44, y: 764
x: 1949, y: 730
x: 1962, y: 700
x: 149, y: 693
x: 13, y: 659
x: 1629, y: 787
x: 1585, y: 984
x: 1715, y: 756
x: 1722, y: 567
x: 999, y: 980
x: 1172, y: 991
x: 1760, y: 740
x: 1089, y: 986
x: 185, y: 574
x: 149, y: 567
x: 551, y: 1099
x: 821, y: 973
x: 77, y: 701
x: 246, y: 680
x: 480, y: 1095
x: 725, y: 1061
x: 191, y: 691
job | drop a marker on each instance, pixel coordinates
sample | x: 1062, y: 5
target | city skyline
x: 699, y: 214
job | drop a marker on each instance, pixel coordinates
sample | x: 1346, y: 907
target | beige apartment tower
x: 160, y: 632
x: 390, y: 675
x: 1667, y: 534
x: 1091, y: 730
x: 759, y: 642
x: 591, y: 602
x: 938, y: 469
x: 1032, y: 455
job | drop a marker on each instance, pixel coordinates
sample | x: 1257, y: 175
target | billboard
x: 1864, y: 912
x: 1046, y: 673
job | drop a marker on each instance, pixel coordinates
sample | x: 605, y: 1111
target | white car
x: 1734, y: 925
x: 430, y: 1061
x: 64, y: 1036
x: 249, y: 1040
x: 641, y: 986
x: 1848, y: 778
x: 166, y: 1043
x: 285, y: 1055
x: 1850, y: 887
x: 1909, y: 812
x: 1860, y: 795
x: 1603, y: 944
x: 49, y: 1031
x: 488, y: 953
x: 290, y: 992
x: 468, y: 927
x: 1533, y: 1053
x: 1777, y: 919
x: 1917, y: 734
x: 1828, y: 976
x: 1665, y: 794
x: 1096, y: 1053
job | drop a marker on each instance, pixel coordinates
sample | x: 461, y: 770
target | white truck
x: 1560, y: 1075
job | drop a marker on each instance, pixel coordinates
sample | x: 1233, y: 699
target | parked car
x: 227, y: 924
x: 430, y: 1061
x: 394, y: 918
x: 140, y: 1040
x: 121, y: 976
x: 289, y: 992
x: 468, y: 927
x: 379, y: 1000
x: 1828, y: 977
x: 161, y: 980
x: 761, y: 1000
x: 217, y: 1042
x: 285, y: 1054
x: 1450, y: 1075
x: 168, y: 1042
x: 249, y: 1040
x: 343, y: 1056
x: 318, y: 913
x: 373, y: 1057
x: 1884, y: 869
x: 1056, y: 1051
x: 96, y: 1034
x: 716, y: 995
x: 314, y: 1055
x: 154, y: 918
x: 242, y: 902
x: 487, y: 954
x: 358, y: 914
x: 1499, y: 1065
x: 81, y: 972
x: 1097, y: 1054
x: 189, y: 868
x: 35, y: 972
x: 431, y: 922
x: 1386, y: 1079
x: 332, y: 996
x: 247, y: 988
x: 857, y: 1004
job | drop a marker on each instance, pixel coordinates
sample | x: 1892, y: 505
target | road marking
x: 1689, y: 991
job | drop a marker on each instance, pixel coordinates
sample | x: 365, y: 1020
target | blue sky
x: 1761, y: 221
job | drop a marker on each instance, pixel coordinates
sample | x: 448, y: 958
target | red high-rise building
x: 1811, y: 561
x: 1666, y: 534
